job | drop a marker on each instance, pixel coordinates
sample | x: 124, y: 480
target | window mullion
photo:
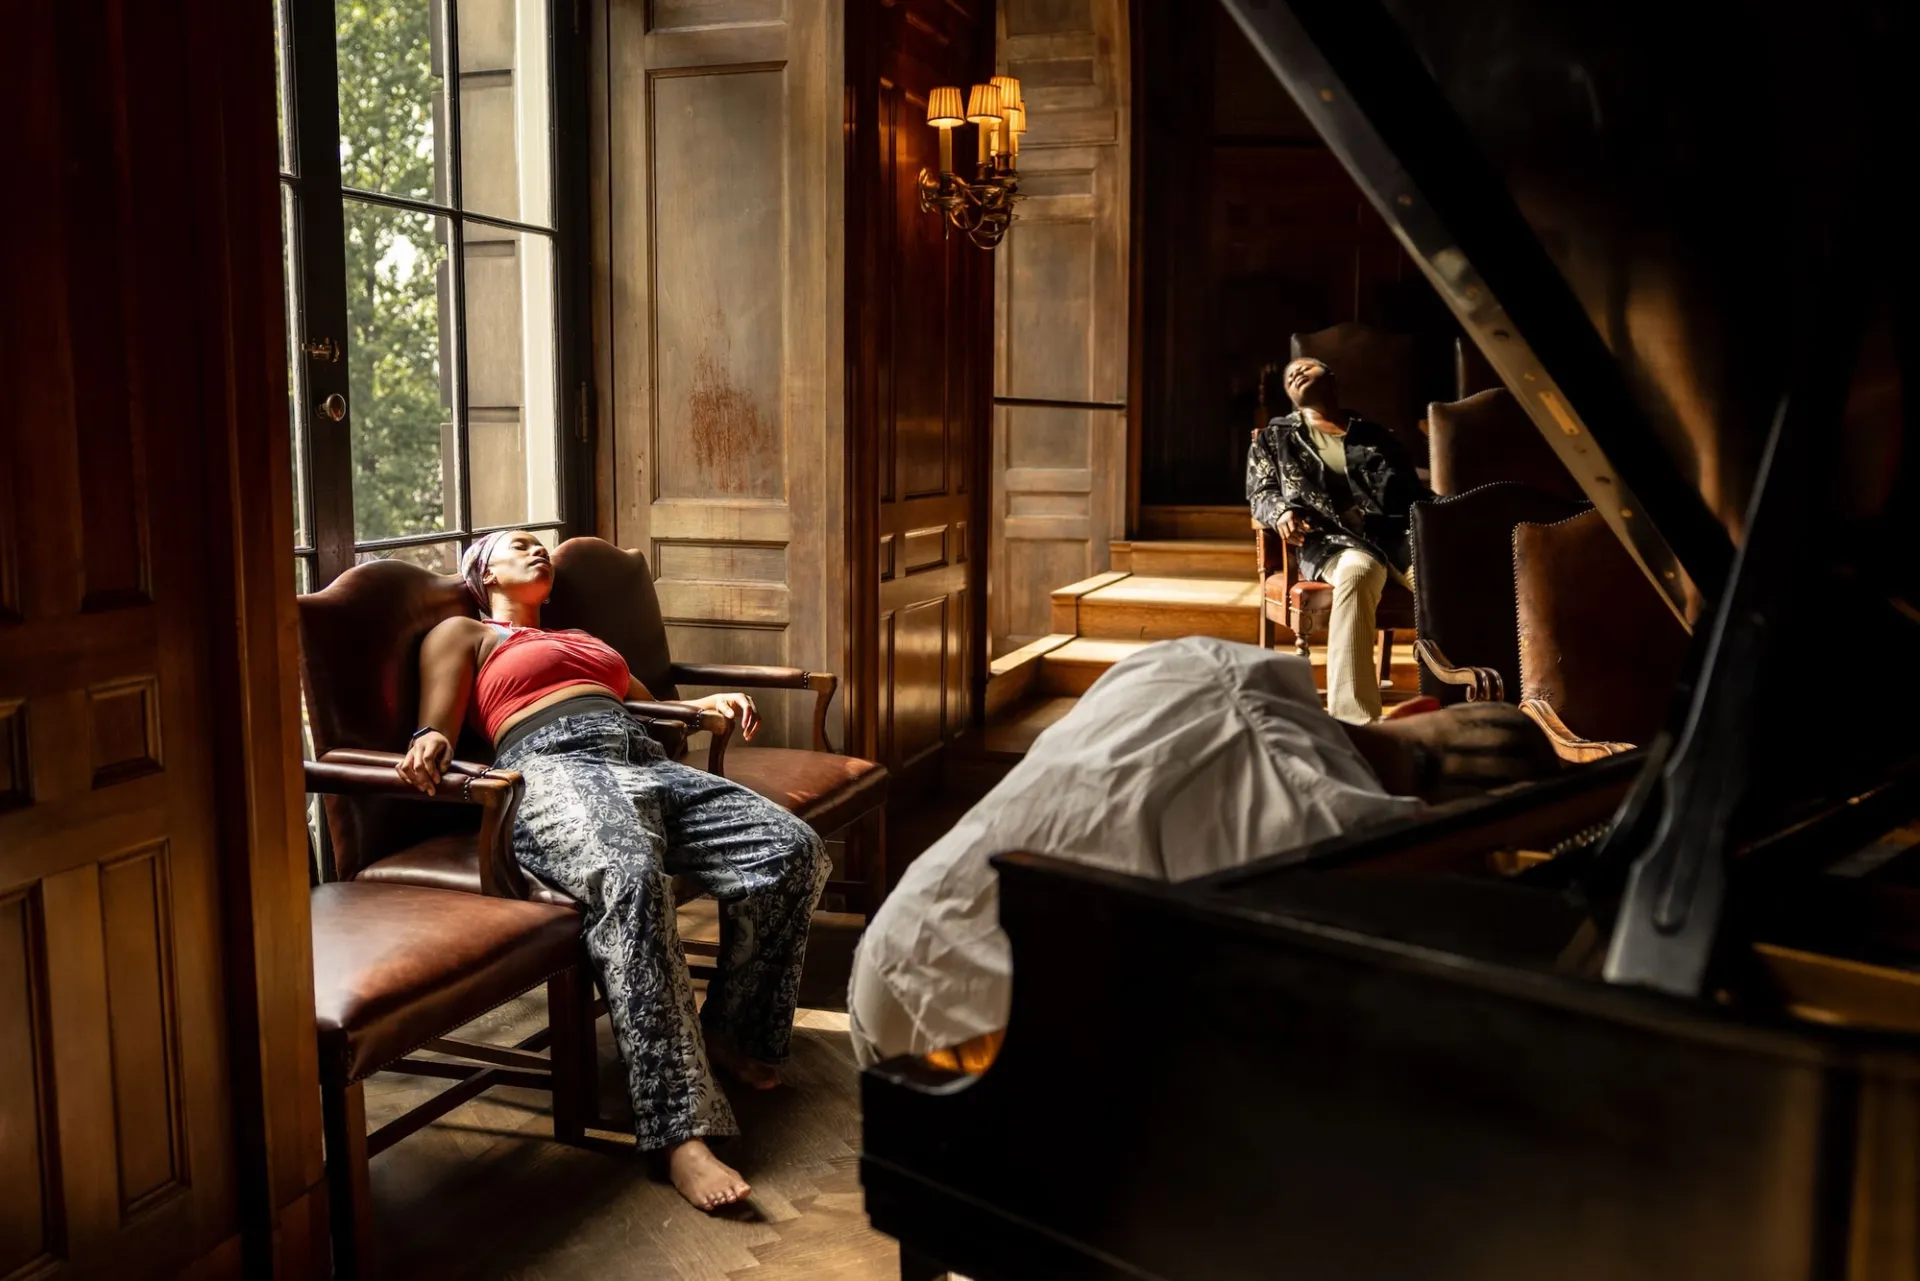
x: 463, y: 489
x: 323, y: 286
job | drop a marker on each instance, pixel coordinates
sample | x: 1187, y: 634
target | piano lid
x: 1672, y: 229
x: 1632, y: 208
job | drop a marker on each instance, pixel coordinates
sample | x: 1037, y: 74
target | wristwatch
x: 424, y: 729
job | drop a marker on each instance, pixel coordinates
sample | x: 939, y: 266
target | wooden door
x: 132, y: 1145
x: 720, y: 445
x: 919, y: 299
x: 1060, y: 327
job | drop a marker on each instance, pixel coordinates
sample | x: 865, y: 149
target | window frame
x: 311, y: 172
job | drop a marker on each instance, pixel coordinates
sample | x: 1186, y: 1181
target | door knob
x: 334, y: 407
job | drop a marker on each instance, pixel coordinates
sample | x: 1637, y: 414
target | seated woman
x: 1185, y: 758
x: 607, y: 818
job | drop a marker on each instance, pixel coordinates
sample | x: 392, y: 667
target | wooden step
x: 1187, y: 557
x: 1072, y: 668
x: 1146, y: 608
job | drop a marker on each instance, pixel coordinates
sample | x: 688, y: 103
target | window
x: 428, y: 273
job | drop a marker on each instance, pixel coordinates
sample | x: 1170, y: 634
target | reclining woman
x: 607, y: 818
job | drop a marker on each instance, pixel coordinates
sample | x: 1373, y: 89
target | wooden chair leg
x: 571, y: 1052
x: 1386, y: 658
x: 1297, y: 620
x: 343, y: 1112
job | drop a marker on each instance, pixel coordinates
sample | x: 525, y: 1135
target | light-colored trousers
x: 1353, y: 682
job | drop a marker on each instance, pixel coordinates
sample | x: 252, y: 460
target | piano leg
x: 915, y: 1266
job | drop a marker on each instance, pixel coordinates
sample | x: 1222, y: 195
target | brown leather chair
x: 1304, y: 606
x: 1379, y: 375
x: 396, y: 969
x: 360, y: 666
x: 1486, y: 439
x: 609, y: 592
x: 1600, y: 652
x: 1464, y: 596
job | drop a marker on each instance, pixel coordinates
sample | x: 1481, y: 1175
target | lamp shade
x: 944, y: 108
x: 1009, y: 88
x: 983, y: 108
x: 1016, y: 119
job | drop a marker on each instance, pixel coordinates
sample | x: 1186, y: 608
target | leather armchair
x: 1464, y: 594
x: 360, y: 655
x: 1600, y: 652
x: 609, y: 592
x: 1488, y: 439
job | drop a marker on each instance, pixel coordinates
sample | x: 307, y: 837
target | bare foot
x: 703, y: 1178
x: 751, y: 1073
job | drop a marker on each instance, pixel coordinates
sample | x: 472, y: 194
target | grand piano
x: 1658, y: 1017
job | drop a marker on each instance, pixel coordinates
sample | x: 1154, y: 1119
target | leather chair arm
x: 1483, y: 684
x: 363, y: 772
x: 684, y: 719
x: 1568, y: 745
x: 358, y: 771
x: 747, y: 676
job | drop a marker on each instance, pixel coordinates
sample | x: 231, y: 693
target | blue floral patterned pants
x: 608, y: 819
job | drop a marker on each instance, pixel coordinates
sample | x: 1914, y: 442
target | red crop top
x: 528, y: 664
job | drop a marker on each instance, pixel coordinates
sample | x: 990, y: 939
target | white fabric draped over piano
x: 1186, y: 758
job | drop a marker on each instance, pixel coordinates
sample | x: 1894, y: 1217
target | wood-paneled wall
x: 720, y: 409
x: 918, y: 303
x: 1061, y: 312
x: 158, y: 1076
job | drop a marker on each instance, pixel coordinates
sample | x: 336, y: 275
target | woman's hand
x: 735, y: 707
x: 425, y: 761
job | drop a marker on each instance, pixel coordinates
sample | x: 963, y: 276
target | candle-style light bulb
x: 983, y: 110
x: 945, y: 112
x: 1016, y: 124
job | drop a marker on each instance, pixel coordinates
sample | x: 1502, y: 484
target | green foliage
x: 394, y: 263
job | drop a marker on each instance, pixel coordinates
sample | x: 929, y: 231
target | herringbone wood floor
x: 486, y: 1193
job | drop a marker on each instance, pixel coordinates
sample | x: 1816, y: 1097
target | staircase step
x: 1074, y: 667
x: 1146, y: 608
x: 1187, y: 557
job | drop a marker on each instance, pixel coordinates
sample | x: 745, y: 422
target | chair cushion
x: 453, y: 863
x: 396, y: 965
x: 450, y: 862
x: 1395, y: 610
x: 827, y: 790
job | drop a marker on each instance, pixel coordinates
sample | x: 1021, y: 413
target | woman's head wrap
x: 473, y: 565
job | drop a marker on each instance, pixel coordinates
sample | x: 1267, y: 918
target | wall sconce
x: 983, y: 208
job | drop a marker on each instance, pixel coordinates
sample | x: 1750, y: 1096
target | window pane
x: 296, y: 369
x: 441, y: 558
x: 399, y: 371
x: 503, y: 109
x: 280, y: 84
x: 392, y: 96
x: 303, y: 583
x: 513, y: 434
